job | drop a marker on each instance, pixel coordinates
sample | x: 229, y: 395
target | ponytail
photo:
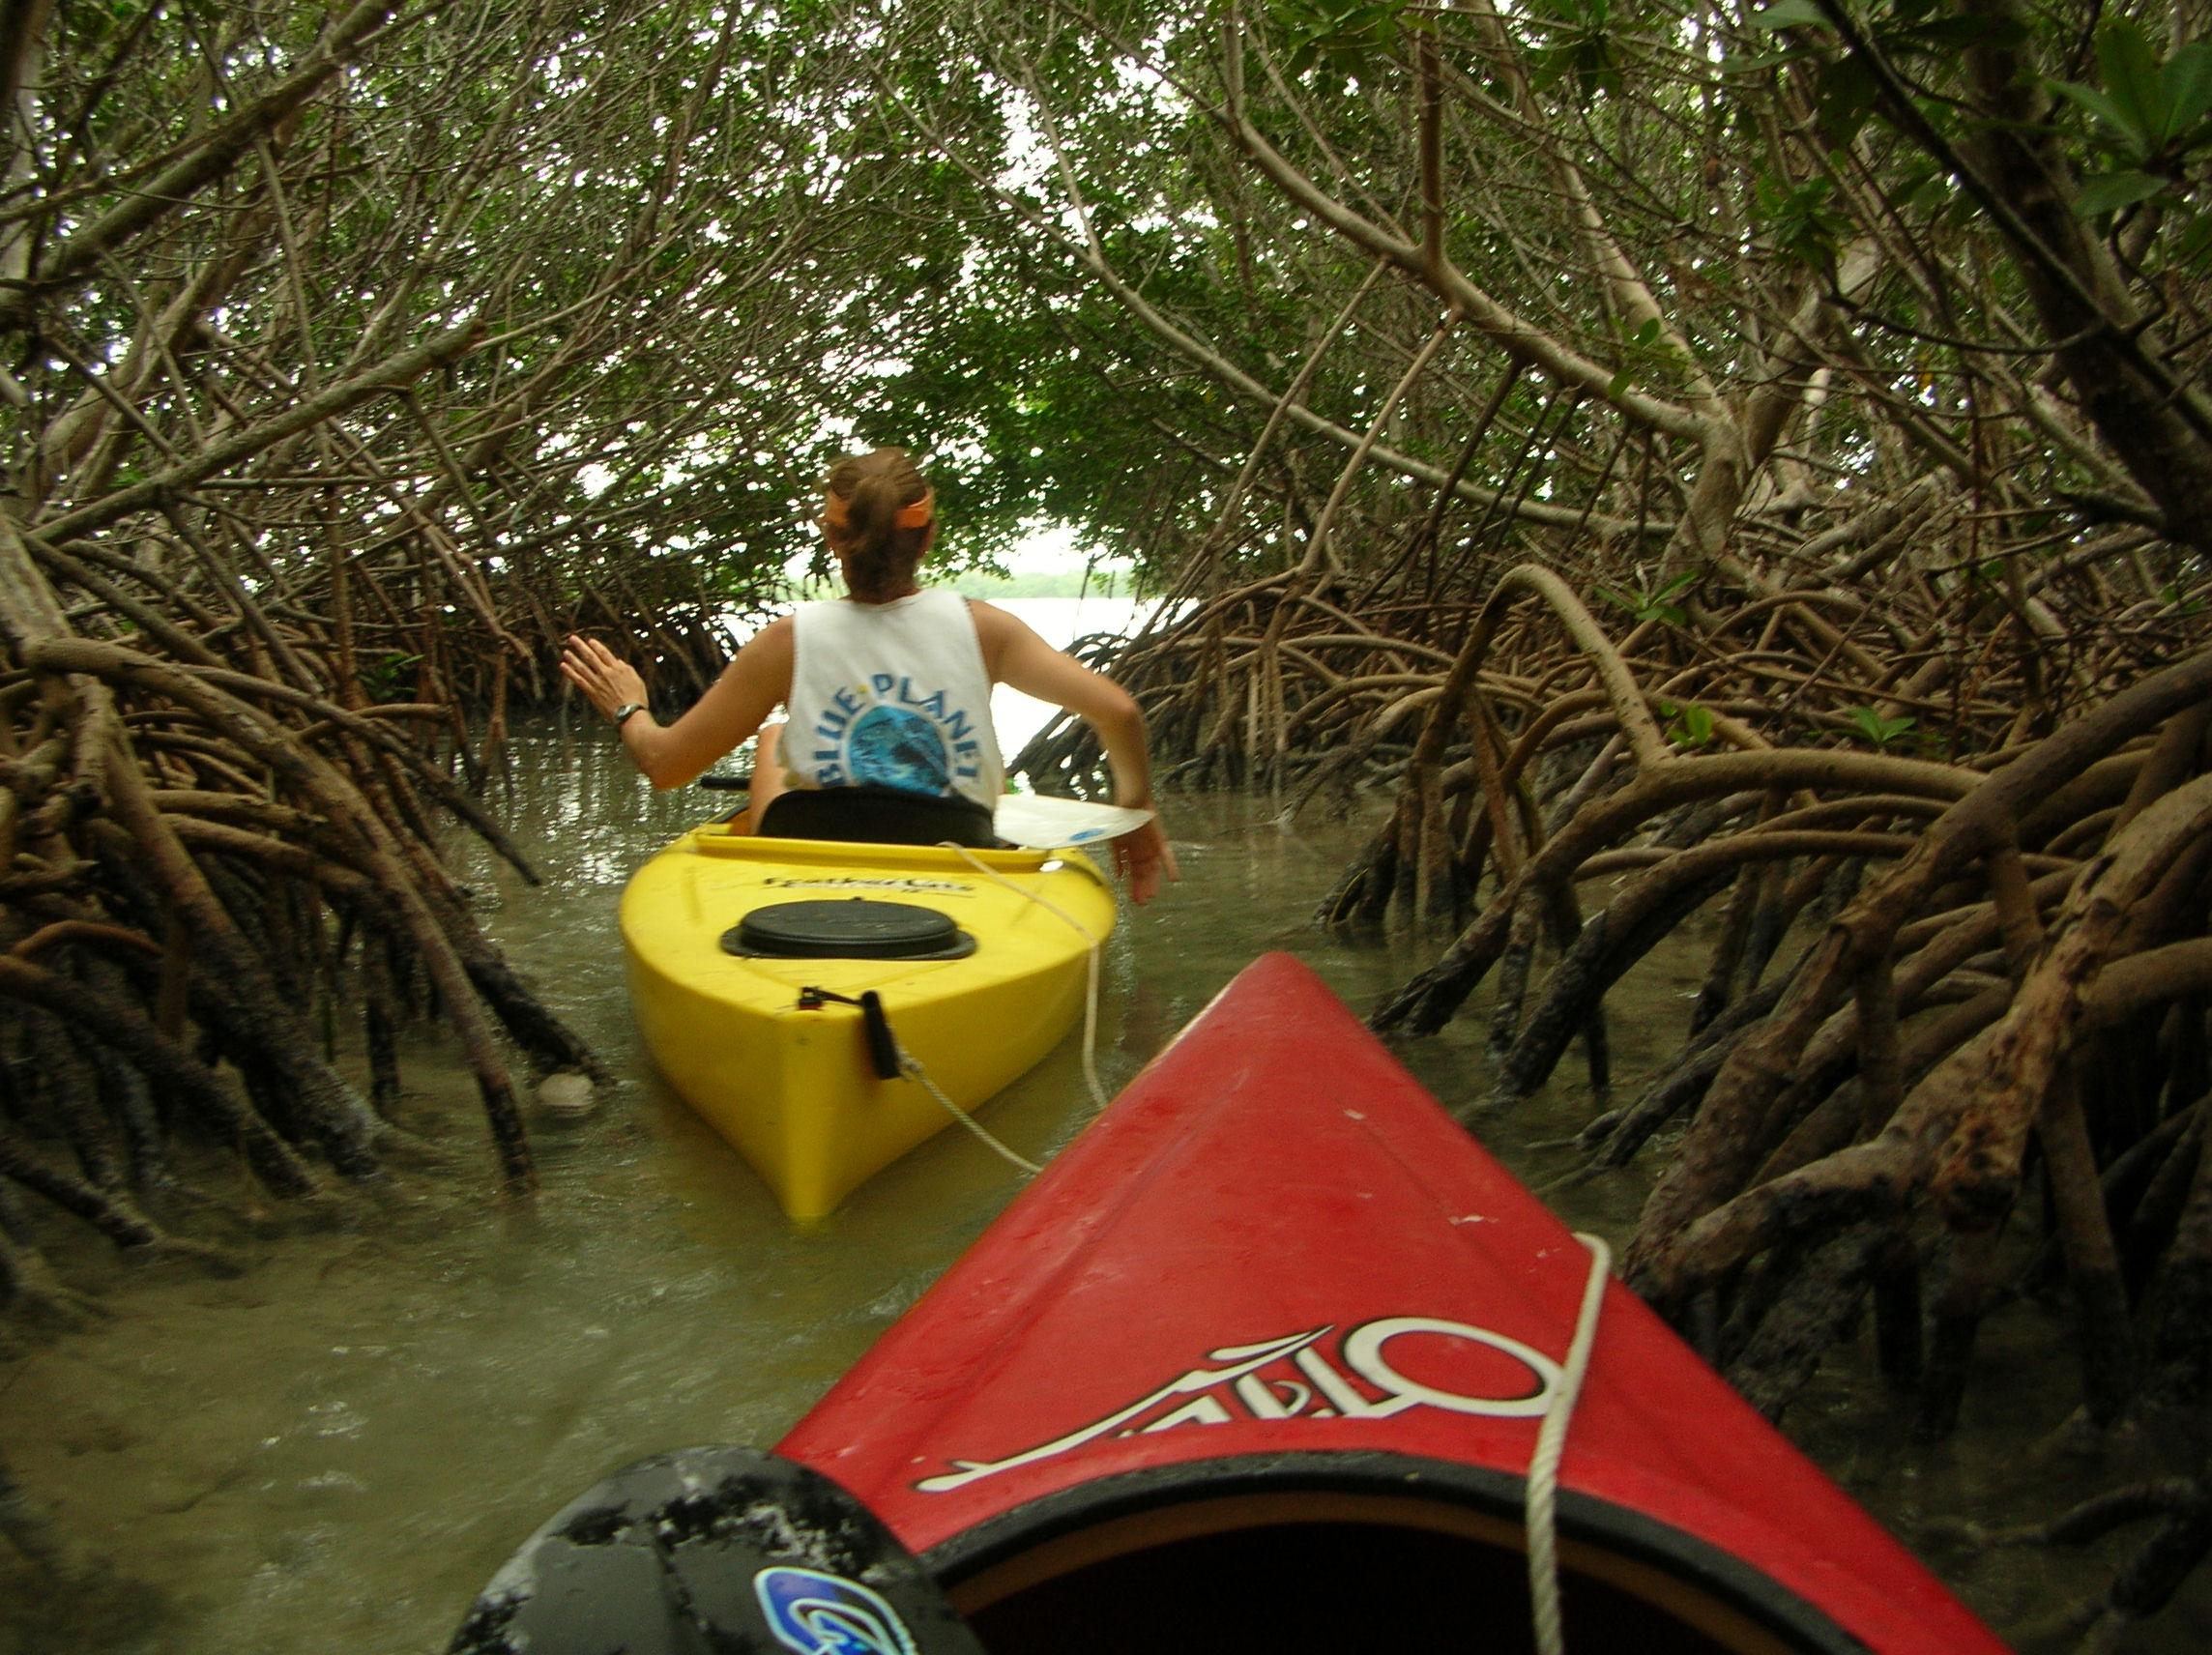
x: 879, y: 516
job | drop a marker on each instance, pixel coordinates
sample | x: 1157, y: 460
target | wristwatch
x: 626, y: 709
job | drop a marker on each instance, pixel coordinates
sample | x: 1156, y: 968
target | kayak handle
x: 882, y: 1044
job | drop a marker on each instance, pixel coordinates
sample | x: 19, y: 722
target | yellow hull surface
x: 793, y: 1089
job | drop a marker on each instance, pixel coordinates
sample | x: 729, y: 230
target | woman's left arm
x: 734, y: 705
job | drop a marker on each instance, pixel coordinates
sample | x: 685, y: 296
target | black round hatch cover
x: 857, y: 928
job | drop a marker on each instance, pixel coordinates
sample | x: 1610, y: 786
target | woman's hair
x: 885, y: 523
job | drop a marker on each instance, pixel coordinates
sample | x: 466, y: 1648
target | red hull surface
x: 1276, y: 1282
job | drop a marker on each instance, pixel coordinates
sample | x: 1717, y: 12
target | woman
x: 889, y: 689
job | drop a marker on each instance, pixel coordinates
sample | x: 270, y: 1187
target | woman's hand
x: 1143, y: 857
x: 607, y: 680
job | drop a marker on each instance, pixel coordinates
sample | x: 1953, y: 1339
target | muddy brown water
x: 334, y: 1449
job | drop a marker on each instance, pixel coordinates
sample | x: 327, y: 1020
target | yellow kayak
x: 976, y: 959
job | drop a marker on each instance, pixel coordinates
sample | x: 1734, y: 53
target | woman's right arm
x: 1018, y: 658
x: 734, y: 707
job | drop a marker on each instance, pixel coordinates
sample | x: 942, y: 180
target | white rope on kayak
x: 1096, y: 944
x: 1550, y: 1446
x: 911, y: 1066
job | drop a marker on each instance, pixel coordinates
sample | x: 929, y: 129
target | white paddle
x: 1041, y: 823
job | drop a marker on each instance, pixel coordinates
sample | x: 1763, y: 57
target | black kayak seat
x: 878, y: 816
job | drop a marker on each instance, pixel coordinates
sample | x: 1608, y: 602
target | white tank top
x: 891, y: 695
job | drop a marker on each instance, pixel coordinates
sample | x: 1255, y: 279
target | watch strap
x: 628, y: 708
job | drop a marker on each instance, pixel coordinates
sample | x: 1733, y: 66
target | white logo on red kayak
x: 1291, y: 1378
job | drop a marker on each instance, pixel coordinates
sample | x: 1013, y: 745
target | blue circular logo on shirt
x: 889, y: 746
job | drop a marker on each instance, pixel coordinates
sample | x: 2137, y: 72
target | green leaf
x: 2186, y: 84
x: 1352, y: 39
x: 2196, y: 241
x: 1949, y: 36
x: 1923, y: 185
x: 1790, y: 14
x: 2121, y: 132
x: 2109, y: 192
x: 1645, y: 605
x: 1800, y: 219
x: 1845, y: 97
x: 1689, y: 727
x: 2125, y: 54
x: 1752, y: 63
x: 1879, y: 730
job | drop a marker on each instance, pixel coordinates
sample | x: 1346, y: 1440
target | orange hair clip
x: 836, y: 516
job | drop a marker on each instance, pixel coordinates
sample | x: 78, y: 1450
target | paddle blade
x: 709, y: 1551
x: 1040, y: 821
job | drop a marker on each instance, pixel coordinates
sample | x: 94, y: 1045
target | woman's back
x: 893, y: 695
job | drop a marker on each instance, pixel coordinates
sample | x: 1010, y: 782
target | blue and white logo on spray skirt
x: 827, y: 1615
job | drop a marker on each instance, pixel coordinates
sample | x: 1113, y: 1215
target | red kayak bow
x: 1260, y: 1363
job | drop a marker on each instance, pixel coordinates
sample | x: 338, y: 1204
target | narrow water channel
x: 334, y: 1449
